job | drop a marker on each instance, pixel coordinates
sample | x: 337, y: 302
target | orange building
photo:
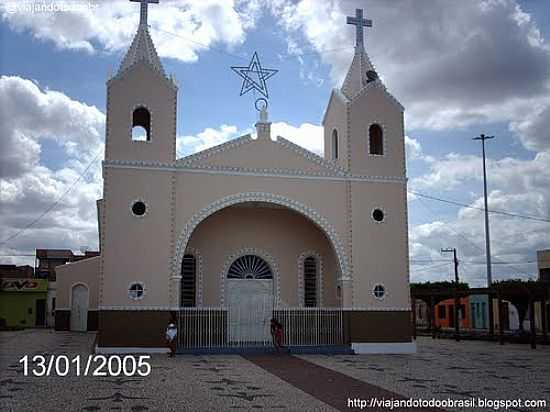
x: 445, y: 313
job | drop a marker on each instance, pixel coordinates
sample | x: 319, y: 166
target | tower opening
x: 141, y: 124
x: 376, y: 140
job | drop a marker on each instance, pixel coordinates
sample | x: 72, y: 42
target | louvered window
x: 310, y: 282
x: 188, y: 281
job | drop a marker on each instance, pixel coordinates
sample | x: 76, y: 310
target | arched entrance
x: 250, y: 300
x: 79, y: 308
x: 235, y: 199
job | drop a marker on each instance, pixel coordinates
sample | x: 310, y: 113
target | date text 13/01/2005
x: 93, y: 365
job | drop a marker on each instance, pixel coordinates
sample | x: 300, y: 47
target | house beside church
x: 225, y: 239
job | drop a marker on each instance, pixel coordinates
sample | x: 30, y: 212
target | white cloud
x: 28, y: 188
x: 534, y: 127
x: 110, y: 26
x: 449, y: 172
x: 30, y: 114
x: 413, y: 148
x: 518, y: 186
x: 306, y: 135
x: 206, y: 139
x: 452, y: 64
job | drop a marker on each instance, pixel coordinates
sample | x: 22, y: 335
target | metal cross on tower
x: 359, y: 22
x: 143, y: 10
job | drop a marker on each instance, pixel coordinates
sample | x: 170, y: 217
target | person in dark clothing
x: 277, y: 334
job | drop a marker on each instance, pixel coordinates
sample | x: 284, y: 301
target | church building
x: 225, y: 239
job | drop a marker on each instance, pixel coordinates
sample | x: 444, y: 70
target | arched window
x: 310, y: 282
x: 376, y: 140
x: 250, y: 267
x: 141, y: 124
x: 188, y: 281
x: 334, y: 144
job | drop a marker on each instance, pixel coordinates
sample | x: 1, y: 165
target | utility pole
x: 482, y: 137
x: 457, y: 300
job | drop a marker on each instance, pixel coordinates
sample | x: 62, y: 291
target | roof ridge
x: 309, y: 155
x: 203, y: 154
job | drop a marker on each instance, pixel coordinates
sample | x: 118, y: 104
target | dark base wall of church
x: 136, y: 329
x: 377, y: 326
x: 63, y: 320
x: 145, y: 329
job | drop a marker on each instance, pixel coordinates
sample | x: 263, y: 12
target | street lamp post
x: 482, y: 137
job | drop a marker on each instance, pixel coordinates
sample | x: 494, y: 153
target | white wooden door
x: 79, y: 308
x: 250, y: 304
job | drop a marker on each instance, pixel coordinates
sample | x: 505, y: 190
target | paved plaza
x: 441, y: 369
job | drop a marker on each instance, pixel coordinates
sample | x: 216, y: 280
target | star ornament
x: 254, y: 76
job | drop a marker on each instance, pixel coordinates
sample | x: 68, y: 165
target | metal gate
x: 222, y: 327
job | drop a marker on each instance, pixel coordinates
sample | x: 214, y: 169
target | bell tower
x: 141, y: 104
x: 363, y: 123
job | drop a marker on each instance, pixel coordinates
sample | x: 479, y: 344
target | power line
x: 219, y: 50
x: 53, y: 205
x: 432, y: 267
x: 465, y: 238
x: 200, y: 44
x: 500, y: 212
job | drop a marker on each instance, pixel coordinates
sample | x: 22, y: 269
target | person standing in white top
x: 171, y: 333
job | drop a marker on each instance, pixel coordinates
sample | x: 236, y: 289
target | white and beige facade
x: 262, y: 197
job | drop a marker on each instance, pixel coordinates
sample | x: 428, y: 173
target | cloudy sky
x: 460, y: 68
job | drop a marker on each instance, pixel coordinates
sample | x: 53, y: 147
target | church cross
x: 359, y: 22
x: 143, y: 10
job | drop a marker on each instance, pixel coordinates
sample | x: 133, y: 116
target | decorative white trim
x: 312, y: 157
x: 301, y: 291
x: 360, y: 58
x: 202, y: 155
x: 105, y: 350
x: 230, y: 200
x: 380, y: 298
x: 136, y: 282
x: 334, y: 93
x: 137, y: 308
x: 384, y: 140
x: 244, y: 171
x: 174, y: 291
x: 141, y: 49
x: 132, y: 208
x: 251, y: 251
x: 384, y: 217
x: 377, y: 309
x: 378, y: 84
x: 69, y: 309
x: 172, y: 308
x: 387, y: 348
x: 149, y: 138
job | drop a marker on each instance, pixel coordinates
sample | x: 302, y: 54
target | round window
x: 135, y: 291
x: 139, y: 208
x: 378, y: 215
x: 379, y: 291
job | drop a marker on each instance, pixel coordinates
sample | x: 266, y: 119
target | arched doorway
x: 79, y: 308
x: 270, y: 198
x: 250, y: 300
